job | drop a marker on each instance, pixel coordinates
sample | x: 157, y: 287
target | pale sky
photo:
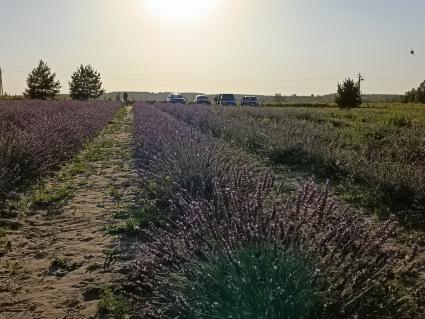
x: 212, y: 46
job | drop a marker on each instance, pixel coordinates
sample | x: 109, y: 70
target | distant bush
x: 348, y: 95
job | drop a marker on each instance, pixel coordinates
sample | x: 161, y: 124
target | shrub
x: 348, y: 95
x: 257, y: 281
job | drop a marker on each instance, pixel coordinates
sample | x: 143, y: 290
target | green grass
x: 51, y: 195
x: 115, y: 193
x: 3, y: 242
x: 113, y: 305
x: 143, y: 214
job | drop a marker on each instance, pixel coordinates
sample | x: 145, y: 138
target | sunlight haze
x: 239, y: 46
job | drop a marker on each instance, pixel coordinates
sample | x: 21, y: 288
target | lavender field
x: 373, y: 156
x: 221, y: 240
x: 37, y: 136
x: 182, y: 211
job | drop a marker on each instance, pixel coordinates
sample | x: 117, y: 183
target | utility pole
x: 1, y: 83
x: 361, y: 78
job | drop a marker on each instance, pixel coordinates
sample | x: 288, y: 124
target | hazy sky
x: 238, y: 46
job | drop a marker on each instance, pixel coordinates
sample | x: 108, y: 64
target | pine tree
x: 41, y: 83
x: 348, y: 94
x: 85, y: 84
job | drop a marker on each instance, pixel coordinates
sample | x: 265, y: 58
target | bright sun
x: 181, y: 9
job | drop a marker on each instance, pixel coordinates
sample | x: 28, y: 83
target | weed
x: 115, y: 193
x: 51, y: 195
x: 3, y: 233
x: 114, y: 305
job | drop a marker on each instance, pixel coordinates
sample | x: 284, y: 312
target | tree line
x: 85, y: 83
x: 415, y: 95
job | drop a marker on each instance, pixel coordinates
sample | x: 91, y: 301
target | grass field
x: 166, y: 211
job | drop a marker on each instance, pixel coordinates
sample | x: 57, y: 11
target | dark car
x: 202, y: 99
x: 176, y: 98
x: 250, y: 101
x: 226, y: 99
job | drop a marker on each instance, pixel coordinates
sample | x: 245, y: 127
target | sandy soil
x: 58, y: 262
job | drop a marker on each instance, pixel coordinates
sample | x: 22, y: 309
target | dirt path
x: 60, y: 257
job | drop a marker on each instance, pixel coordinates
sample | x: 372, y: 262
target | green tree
x: 125, y: 97
x: 420, y: 93
x: 415, y: 95
x: 85, y: 84
x: 41, y: 83
x: 410, y: 96
x: 348, y: 95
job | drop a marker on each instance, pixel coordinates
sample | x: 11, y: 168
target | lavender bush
x: 37, y: 136
x: 225, y: 208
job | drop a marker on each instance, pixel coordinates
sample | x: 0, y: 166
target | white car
x: 202, y: 99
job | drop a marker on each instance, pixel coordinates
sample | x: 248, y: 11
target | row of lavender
x: 231, y: 248
x: 374, y: 155
x: 37, y: 136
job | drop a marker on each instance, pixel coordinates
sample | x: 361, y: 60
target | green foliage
x: 415, y: 95
x: 51, y: 195
x: 113, y: 305
x: 144, y: 214
x: 349, y: 95
x: 41, y: 83
x: 258, y: 282
x: 85, y: 84
x: 125, y: 97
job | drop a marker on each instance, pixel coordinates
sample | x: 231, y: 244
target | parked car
x: 176, y: 98
x: 250, y: 100
x: 226, y: 99
x: 202, y: 99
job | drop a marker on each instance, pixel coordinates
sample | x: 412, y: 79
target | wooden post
x: 1, y: 83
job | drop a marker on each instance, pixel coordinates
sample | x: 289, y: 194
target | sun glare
x: 181, y: 9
